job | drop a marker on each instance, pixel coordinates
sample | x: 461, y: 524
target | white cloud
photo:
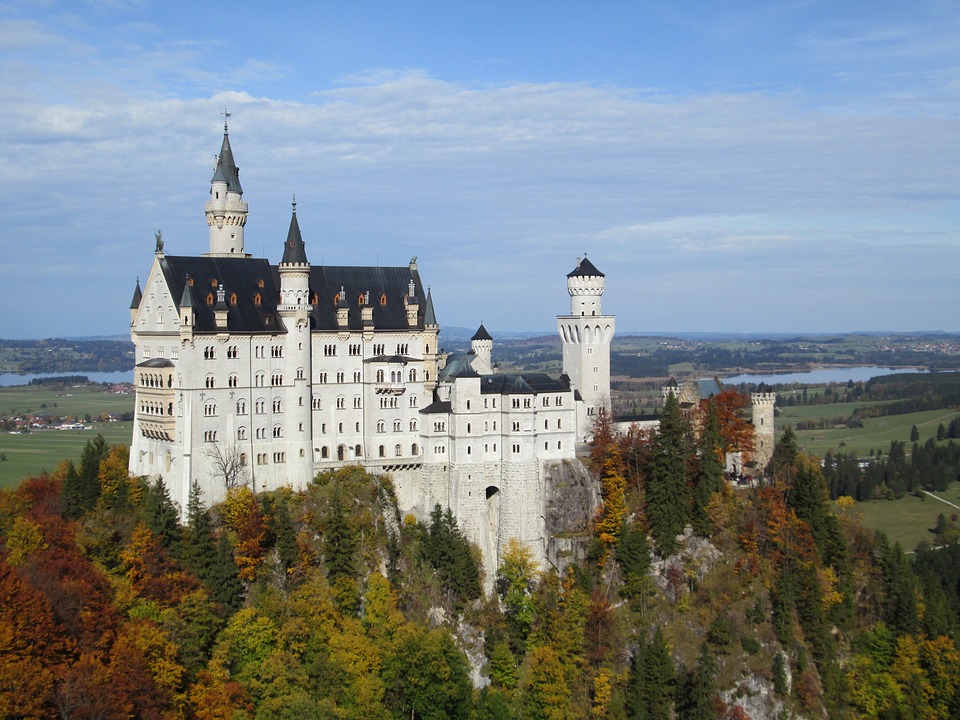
x: 720, y: 211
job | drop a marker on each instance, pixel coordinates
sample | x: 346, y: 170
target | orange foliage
x: 244, y: 515
x: 733, y: 411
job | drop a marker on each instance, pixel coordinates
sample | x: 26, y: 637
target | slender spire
x: 137, y: 297
x: 429, y: 316
x: 294, y: 252
x: 227, y: 170
x: 186, y: 300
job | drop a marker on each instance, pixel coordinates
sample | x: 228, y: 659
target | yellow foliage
x: 24, y: 538
x: 845, y: 501
x: 602, y: 693
x: 828, y: 587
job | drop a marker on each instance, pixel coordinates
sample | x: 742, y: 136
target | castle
x: 263, y: 375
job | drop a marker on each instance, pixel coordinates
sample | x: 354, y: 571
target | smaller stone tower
x: 482, y: 346
x: 226, y: 210
x: 295, y: 366
x: 762, y: 403
x: 586, y: 334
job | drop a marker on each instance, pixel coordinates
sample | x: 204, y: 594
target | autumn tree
x: 732, y: 409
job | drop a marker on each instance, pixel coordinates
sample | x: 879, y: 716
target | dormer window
x: 256, y: 299
x: 260, y: 283
x: 360, y: 299
x: 213, y: 282
x: 233, y: 298
x: 383, y: 299
x: 209, y: 298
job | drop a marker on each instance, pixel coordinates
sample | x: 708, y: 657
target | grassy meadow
x: 909, y: 520
x: 34, y: 452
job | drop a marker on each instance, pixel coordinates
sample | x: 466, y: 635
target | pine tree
x: 651, y: 691
x: 160, y: 514
x: 196, y: 549
x: 71, y: 497
x: 668, y: 495
x: 83, y: 491
x: 709, y: 479
x: 225, y: 578
x: 695, y: 701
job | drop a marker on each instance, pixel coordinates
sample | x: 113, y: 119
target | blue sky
x: 731, y: 167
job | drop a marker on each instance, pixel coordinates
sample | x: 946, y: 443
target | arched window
x: 324, y: 452
x: 277, y: 431
x: 396, y: 426
x: 413, y: 375
x: 413, y: 425
x: 241, y: 407
x: 232, y: 380
x: 414, y: 449
x: 379, y: 376
x: 241, y: 433
x: 210, y: 382
x: 383, y: 452
x: 397, y: 450
x: 381, y: 426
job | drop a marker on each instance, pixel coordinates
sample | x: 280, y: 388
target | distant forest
x: 58, y: 356
x: 631, y: 356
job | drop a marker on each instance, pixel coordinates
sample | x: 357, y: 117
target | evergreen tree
x: 160, y: 514
x: 668, y: 495
x: 448, y: 551
x: 224, y: 581
x: 196, y: 549
x: 914, y: 434
x: 341, y: 541
x: 695, y: 701
x: 709, y: 478
x: 81, y: 491
x: 71, y: 498
x: 651, y: 686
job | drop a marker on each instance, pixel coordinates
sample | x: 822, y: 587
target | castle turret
x: 294, y: 367
x: 586, y: 334
x: 135, y: 303
x: 763, y: 403
x: 188, y: 314
x: 482, y: 346
x: 226, y: 211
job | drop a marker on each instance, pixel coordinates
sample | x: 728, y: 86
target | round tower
x: 295, y: 364
x: 763, y: 403
x: 586, y: 334
x: 226, y: 211
x: 482, y: 346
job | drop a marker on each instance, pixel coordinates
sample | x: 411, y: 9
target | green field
x: 876, y: 433
x: 909, y: 520
x: 32, y: 453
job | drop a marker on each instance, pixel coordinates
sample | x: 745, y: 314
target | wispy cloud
x: 721, y: 210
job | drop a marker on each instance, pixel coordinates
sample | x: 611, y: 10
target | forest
x: 697, y: 599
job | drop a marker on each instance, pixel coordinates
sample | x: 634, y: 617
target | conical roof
x: 137, y: 297
x: 186, y: 300
x: 585, y: 268
x: 294, y: 252
x: 227, y: 170
x: 481, y: 334
x: 429, y: 316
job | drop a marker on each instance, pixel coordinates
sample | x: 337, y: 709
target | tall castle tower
x: 586, y: 334
x: 762, y: 403
x: 295, y: 367
x: 226, y: 210
x: 481, y: 344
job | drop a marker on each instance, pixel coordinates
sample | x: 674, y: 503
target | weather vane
x: 225, y: 116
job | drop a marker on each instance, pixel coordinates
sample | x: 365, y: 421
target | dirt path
x: 937, y: 497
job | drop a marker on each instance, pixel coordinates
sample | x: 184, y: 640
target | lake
x: 8, y: 379
x: 820, y: 376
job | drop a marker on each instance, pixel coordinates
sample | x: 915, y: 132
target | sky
x: 753, y: 167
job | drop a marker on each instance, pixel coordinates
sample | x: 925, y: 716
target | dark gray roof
x: 525, y: 384
x: 294, y: 253
x: 387, y: 288
x: 392, y: 359
x: 481, y: 334
x: 429, y: 316
x: 155, y: 363
x: 437, y: 407
x: 227, y: 170
x: 137, y: 297
x: 585, y: 268
x: 251, y: 285
x: 458, y: 365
